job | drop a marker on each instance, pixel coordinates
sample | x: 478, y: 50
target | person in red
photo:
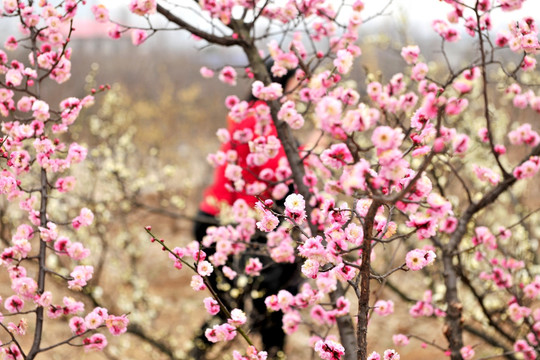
x: 251, y: 173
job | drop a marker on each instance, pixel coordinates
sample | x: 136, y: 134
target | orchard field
x: 408, y: 177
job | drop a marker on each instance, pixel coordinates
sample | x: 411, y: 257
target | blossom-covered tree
x: 420, y: 160
x: 36, y: 160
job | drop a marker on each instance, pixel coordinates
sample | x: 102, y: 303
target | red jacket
x: 218, y: 192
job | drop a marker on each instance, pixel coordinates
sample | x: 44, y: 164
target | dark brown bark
x: 211, y: 38
x: 346, y: 328
x: 35, y: 349
x: 365, y: 272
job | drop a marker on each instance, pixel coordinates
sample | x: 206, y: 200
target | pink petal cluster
x: 384, y: 307
x: 329, y: 349
x: 223, y: 332
x: 228, y: 75
x: 267, y: 93
x: 418, y: 259
x: 142, y: 7
x: 80, y: 276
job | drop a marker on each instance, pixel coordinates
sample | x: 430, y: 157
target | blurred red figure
x: 220, y: 191
x: 273, y: 277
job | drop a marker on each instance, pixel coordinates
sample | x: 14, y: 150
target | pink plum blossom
x: 410, y: 54
x: 95, y: 342
x: 228, y: 75
x: 117, y: 325
x: 138, y: 36
x: 384, y: 307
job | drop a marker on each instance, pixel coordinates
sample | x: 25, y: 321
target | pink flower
x: 71, y: 306
x: 229, y: 273
x: 295, y: 203
x: 523, y: 347
x: 502, y: 39
x: 291, y: 320
x: 384, y: 307
x: 77, y: 325
x: 272, y: 303
x: 18, y: 329
x: 463, y: 86
x: 410, y: 54
x: 44, y: 300
x: 328, y: 110
x: 267, y: 93
x: 86, y: 217
x: 415, y: 259
x: 14, y: 78
x: 500, y: 149
x: 94, y: 319
x: 101, y: 13
x: 268, y: 221
x: 65, y: 184
x: 529, y: 42
x: 425, y: 225
x: 391, y: 354
x: 343, y: 61
x: 40, y: 110
x: 337, y: 156
x: 524, y: 135
x: 419, y: 71
x: 77, y: 251
x: 80, y: 276
x: 386, y: 138
x: 228, y: 75
x: 529, y: 63
x: 528, y: 169
x: 251, y: 354
x: 460, y: 143
x: 197, y: 283
x: 206, y: 72
x: 329, y: 349
x: 138, y: 36
x: 289, y: 114
x: 253, y: 267
x: 400, y: 340
x: 25, y: 286
x: 233, y: 172
x: 142, y: 7
x: 454, y: 106
x: 95, y: 342
x: 224, y: 332
x: 76, y: 153
x: 11, y: 43
x: 204, y: 268
x: 238, y: 318
x: 310, y: 268
x: 50, y: 233
x: 14, y: 304
x: 467, y: 352
x: 211, y: 305
x: 486, y: 174
x: 117, y: 325
x: 114, y: 31
x: 10, y: 6
x: 343, y: 306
